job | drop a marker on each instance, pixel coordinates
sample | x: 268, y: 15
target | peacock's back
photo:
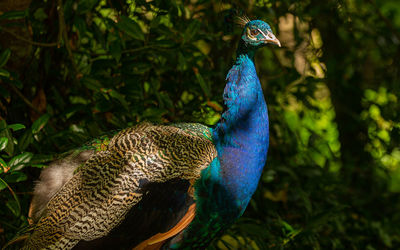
x: 125, y: 176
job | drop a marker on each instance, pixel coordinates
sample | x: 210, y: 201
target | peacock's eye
x: 254, y: 32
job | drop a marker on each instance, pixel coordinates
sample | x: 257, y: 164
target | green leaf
x: 25, y: 140
x: 116, y: 50
x: 3, y: 166
x: 166, y: 99
x: 121, y: 98
x: 16, y: 126
x: 292, y: 120
x: 130, y: 27
x: 140, y: 68
x: 154, y: 114
x: 40, y: 123
x: 191, y: 30
x: 5, y: 132
x: 4, y: 57
x: 12, y: 15
x: 39, y: 158
x: 3, y: 184
x: 18, y: 162
x: 3, y: 143
x: 39, y: 165
x: 16, y: 176
x: 91, y: 83
x: 287, y: 226
x: 4, y: 73
x: 85, y: 6
x: 204, y: 86
x: 40, y: 14
x: 80, y: 25
x: 13, y: 206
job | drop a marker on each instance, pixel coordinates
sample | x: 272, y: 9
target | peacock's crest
x: 241, y: 20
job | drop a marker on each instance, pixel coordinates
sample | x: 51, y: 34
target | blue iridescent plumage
x: 241, y: 138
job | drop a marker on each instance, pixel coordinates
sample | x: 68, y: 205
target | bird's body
x: 155, y: 186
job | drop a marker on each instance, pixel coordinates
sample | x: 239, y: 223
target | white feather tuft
x: 52, y: 179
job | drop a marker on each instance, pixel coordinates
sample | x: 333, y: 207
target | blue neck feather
x: 242, y: 136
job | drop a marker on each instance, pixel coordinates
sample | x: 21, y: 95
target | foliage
x: 77, y: 69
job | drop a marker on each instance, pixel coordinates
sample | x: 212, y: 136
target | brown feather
x: 158, y: 239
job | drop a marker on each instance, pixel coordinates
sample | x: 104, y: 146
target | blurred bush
x: 72, y: 70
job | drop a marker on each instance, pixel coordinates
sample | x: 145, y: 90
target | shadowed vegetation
x: 72, y: 70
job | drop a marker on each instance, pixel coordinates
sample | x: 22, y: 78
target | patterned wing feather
x: 99, y: 196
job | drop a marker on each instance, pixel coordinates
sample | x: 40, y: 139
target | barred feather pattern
x: 98, y: 197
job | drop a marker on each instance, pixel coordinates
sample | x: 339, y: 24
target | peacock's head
x: 258, y: 33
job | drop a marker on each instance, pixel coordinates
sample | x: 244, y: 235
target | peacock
x: 153, y: 186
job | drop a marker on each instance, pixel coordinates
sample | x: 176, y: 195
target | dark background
x: 332, y: 179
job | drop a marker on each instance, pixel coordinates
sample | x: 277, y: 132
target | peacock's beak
x: 269, y: 37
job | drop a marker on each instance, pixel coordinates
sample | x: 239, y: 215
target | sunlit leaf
x: 5, y: 132
x: 3, y: 142
x: 130, y: 27
x: 3, y: 166
x: 20, y: 161
x: 16, y: 127
x: 292, y: 120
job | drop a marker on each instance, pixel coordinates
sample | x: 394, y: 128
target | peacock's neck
x: 241, y: 136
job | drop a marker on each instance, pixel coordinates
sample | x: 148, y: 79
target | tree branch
x: 27, y: 40
x: 16, y: 90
